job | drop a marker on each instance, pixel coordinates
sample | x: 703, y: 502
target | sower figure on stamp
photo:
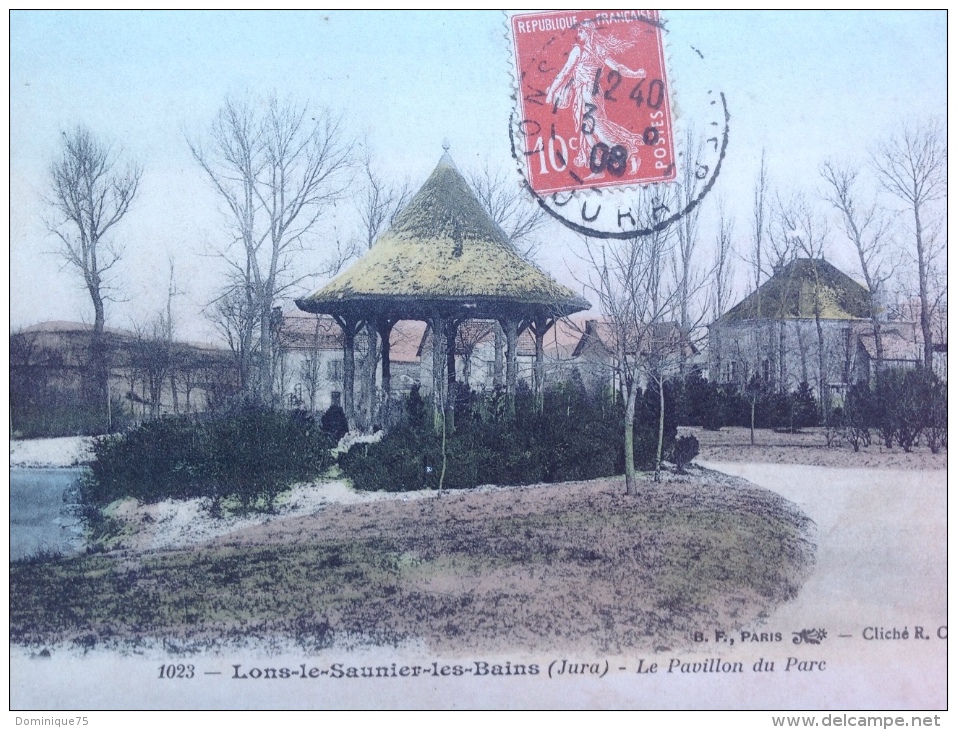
x: 579, y: 82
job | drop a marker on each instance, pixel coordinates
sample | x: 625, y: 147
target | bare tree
x: 234, y: 315
x: 151, y: 357
x: 629, y: 279
x: 722, y: 265
x: 912, y: 166
x: 277, y: 169
x: 310, y: 371
x: 167, y: 326
x: 759, y: 226
x: 514, y: 211
x: 91, y: 191
x: 688, y: 275
x: 868, y: 231
x: 721, y: 280
x: 807, y: 230
x: 381, y: 202
x: 378, y: 208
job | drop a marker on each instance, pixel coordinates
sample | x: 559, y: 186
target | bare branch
x: 510, y: 207
x: 278, y: 169
x: 912, y: 167
x: 722, y: 271
x: 90, y: 193
x: 382, y: 202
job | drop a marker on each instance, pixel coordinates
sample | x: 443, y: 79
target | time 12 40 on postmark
x: 593, y: 99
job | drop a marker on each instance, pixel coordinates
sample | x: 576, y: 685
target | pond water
x: 43, y: 512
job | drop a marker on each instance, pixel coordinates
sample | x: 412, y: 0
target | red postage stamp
x: 594, y: 99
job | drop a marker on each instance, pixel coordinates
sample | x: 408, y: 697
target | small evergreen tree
x: 334, y: 422
x: 858, y: 415
x: 803, y: 407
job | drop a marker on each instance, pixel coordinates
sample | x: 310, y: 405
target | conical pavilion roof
x: 443, y: 252
x: 790, y: 294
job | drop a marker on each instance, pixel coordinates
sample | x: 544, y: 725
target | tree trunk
x: 754, y: 401
x: 173, y: 391
x: 265, y: 354
x: 821, y: 369
x: 661, y: 429
x: 539, y: 370
x: 451, y: 327
x: 878, y: 344
x: 925, y: 324
x: 782, y: 361
x: 498, y: 373
x: 631, y: 488
x: 98, y: 376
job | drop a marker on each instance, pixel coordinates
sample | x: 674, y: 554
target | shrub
x: 886, y: 393
x: 404, y: 460
x: 858, y: 416
x: 250, y: 453
x: 573, y: 437
x: 912, y: 406
x: 334, y: 422
x: 907, y: 405
x: 935, y: 426
x: 66, y: 414
x: 646, y: 426
x: 704, y: 404
x: 686, y: 449
x: 804, y: 410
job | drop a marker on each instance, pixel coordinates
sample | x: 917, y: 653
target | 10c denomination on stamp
x: 593, y: 98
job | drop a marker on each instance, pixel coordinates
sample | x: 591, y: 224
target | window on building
x: 731, y: 371
x: 335, y: 370
x: 336, y: 398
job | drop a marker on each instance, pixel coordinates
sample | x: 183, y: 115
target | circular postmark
x: 593, y: 122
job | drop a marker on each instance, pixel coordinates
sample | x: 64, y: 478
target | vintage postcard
x: 555, y: 360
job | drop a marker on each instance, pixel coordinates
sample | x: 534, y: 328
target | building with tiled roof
x: 773, y: 334
x: 148, y: 375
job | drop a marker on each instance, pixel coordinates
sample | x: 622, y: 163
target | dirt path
x: 882, y: 563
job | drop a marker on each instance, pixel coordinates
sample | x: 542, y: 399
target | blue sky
x: 805, y: 86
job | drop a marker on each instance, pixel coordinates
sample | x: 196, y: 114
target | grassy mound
x: 572, y: 566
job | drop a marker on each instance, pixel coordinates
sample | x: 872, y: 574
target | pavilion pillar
x: 439, y: 371
x: 384, y: 327
x: 511, y: 327
x: 451, y: 329
x: 451, y: 326
x: 369, y: 391
x: 539, y: 326
x: 350, y: 327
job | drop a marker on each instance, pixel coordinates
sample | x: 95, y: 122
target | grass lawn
x: 575, y: 565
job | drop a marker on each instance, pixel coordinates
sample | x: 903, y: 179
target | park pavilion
x: 444, y: 261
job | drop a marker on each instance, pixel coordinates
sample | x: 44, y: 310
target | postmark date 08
x: 177, y: 671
